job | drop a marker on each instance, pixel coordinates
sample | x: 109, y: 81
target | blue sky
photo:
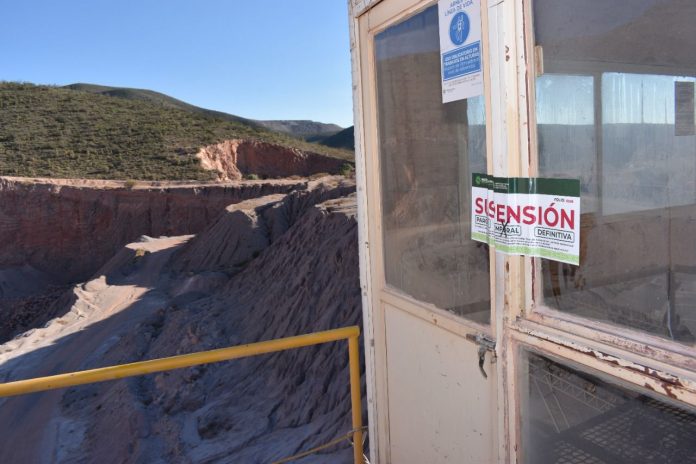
x: 279, y: 59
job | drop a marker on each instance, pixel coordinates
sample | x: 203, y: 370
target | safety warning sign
x: 527, y: 216
x: 460, y: 49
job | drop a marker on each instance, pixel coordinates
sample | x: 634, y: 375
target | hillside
x: 158, y: 98
x: 85, y: 133
x: 344, y: 139
x: 311, y: 131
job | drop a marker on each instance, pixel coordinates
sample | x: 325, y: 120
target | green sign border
x: 527, y: 251
x: 528, y: 185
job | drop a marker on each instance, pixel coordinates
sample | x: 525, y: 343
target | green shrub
x: 346, y: 169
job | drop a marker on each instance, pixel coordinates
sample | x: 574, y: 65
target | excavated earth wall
x: 56, y: 232
x: 233, y: 159
x: 67, y: 230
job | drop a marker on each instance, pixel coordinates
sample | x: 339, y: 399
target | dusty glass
x: 428, y: 151
x: 570, y: 416
x: 615, y: 108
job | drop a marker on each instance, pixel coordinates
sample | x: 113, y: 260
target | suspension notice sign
x: 527, y: 216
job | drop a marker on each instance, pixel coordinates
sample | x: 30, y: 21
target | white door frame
x: 367, y: 18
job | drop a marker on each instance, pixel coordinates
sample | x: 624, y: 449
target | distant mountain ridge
x: 312, y: 131
x: 156, y: 97
x: 343, y: 139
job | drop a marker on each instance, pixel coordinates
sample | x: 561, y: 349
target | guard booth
x: 481, y: 353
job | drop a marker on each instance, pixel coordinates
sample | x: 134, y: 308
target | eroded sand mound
x: 166, y: 296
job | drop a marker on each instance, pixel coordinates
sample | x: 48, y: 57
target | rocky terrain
x: 55, y: 233
x: 58, y: 232
x: 67, y: 230
x: 278, y: 259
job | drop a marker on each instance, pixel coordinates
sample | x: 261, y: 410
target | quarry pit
x: 97, y: 273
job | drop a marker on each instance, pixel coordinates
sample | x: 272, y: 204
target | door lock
x: 485, y: 344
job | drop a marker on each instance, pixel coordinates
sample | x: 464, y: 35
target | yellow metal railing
x: 103, y: 374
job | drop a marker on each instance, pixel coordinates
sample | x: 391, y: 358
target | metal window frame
x: 650, y: 348
x: 642, y: 360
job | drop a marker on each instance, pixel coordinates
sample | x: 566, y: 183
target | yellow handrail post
x: 355, y: 400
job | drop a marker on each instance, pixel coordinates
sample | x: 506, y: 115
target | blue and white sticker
x: 460, y: 49
x: 459, y: 28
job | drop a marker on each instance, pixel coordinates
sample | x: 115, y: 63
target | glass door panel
x: 437, y: 373
x: 428, y: 151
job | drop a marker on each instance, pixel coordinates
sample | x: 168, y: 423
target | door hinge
x: 485, y: 344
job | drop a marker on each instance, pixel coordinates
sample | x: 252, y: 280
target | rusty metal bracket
x: 485, y: 345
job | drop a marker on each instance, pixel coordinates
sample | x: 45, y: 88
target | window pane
x: 649, y: 166
x: 428, y: 151
x: 569, y: 416
x: 565, y: 112
x: 615, y: 109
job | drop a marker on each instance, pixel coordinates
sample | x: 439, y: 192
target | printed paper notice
x: 460, y: 49
x: 685, y: 111
x: 527, y: 216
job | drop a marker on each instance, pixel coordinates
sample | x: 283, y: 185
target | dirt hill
x: 273, y: 266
